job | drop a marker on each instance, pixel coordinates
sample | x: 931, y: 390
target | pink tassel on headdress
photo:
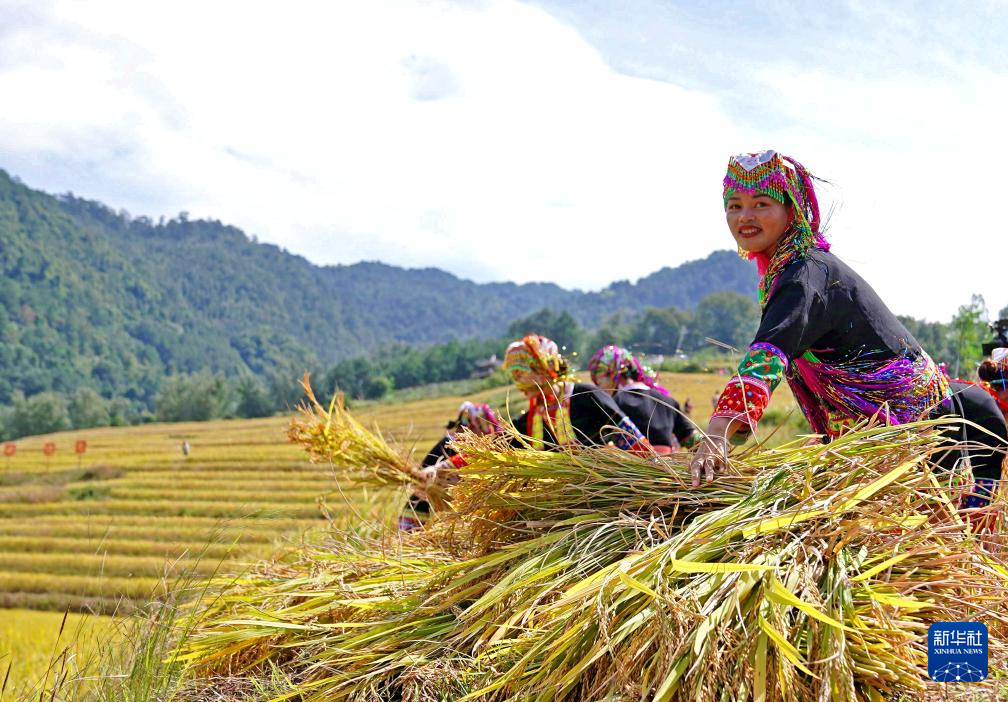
x: 762, y: 261
x: 808, y: 191
x: 811, y: 202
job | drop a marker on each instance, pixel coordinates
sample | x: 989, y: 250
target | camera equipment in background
x: 1000, y: 331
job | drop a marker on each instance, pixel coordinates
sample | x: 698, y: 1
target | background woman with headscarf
x: 843, y: 353
x: 479, y: 419
x: 561, y: 411
x: 993, y: 374
x: 636, y: 391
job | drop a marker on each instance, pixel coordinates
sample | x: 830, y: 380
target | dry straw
x: 805, y: 573
x: 357, y: 455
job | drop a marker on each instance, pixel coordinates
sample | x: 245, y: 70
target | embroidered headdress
x: 995, y: 369
x: 613, y: 366
x: 479, y: 419
x: 791, y: 184
x: 535, y: 361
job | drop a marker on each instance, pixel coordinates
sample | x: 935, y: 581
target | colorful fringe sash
x: 556, y: 417
x: 834, y: 397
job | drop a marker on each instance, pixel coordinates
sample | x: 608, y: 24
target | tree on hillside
x: 121, y: 412
x: 88, y: 409
x: 6, y: 422
x: 378, y: 386
x: 727, y: 317
x: 613, y: 330
x: 253, y: 398
x: 561, y: 327
x: 284, y: 383
x: 660, y: 331
x: 409, y: 369
x: 350, y: 377
x: 969, y: 331
x: 196, y: 397
x: 43, y: 413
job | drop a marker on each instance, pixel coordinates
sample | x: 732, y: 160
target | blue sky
x: 575, y: 142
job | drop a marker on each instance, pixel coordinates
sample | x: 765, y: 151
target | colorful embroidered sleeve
x: 747, y: 394
x: 629, y: 437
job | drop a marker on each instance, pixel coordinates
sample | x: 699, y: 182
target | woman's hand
x: 428, y: 475
x: 443, y: 474
x: 711, y: 457
x: 712, y: 450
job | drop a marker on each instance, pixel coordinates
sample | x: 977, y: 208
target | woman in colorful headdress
x: 440, y: 461
x: 845, y: 356
x: 635, y: 389
x: 993, y: 374
x: 561, y: 411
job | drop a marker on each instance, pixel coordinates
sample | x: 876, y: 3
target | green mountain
x: 92, y: 297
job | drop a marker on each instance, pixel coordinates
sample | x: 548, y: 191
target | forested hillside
x: 93, y: 297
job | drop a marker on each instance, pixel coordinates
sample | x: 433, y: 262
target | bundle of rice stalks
x: 357, y: 455
x: 809, y: 572
x: 507, y: 493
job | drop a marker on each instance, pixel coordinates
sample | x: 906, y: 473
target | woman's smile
x: 757, y: 221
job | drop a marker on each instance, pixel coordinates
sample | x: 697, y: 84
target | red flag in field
x: 49, y: 449
x: 80, y: 446
x: 9, y: 449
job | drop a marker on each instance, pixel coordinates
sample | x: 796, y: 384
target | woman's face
x: 528, y: 383
x: 757, y: 221
x: 532, y: 386
x: 605, y: 382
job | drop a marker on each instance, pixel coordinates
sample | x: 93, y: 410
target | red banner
x: 9, y: 449
x: 49, y: 449
x: 80, y: 446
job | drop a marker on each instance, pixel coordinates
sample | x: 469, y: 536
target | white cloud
x: 436, y: 134
x: 487, y: 138
x: 916, y: 168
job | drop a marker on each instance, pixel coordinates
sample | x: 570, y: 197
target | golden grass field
x: 110, y: 530
x: 29, y: 639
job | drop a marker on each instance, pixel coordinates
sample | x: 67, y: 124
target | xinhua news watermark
x: 957, y: 652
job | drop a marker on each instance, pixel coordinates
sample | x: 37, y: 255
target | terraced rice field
x: 108, y: 529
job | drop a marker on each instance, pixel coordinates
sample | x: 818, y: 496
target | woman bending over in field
x: 993, y: 373
x: 479, y: 419
x: 635, y: 389
x: 561, y: 411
